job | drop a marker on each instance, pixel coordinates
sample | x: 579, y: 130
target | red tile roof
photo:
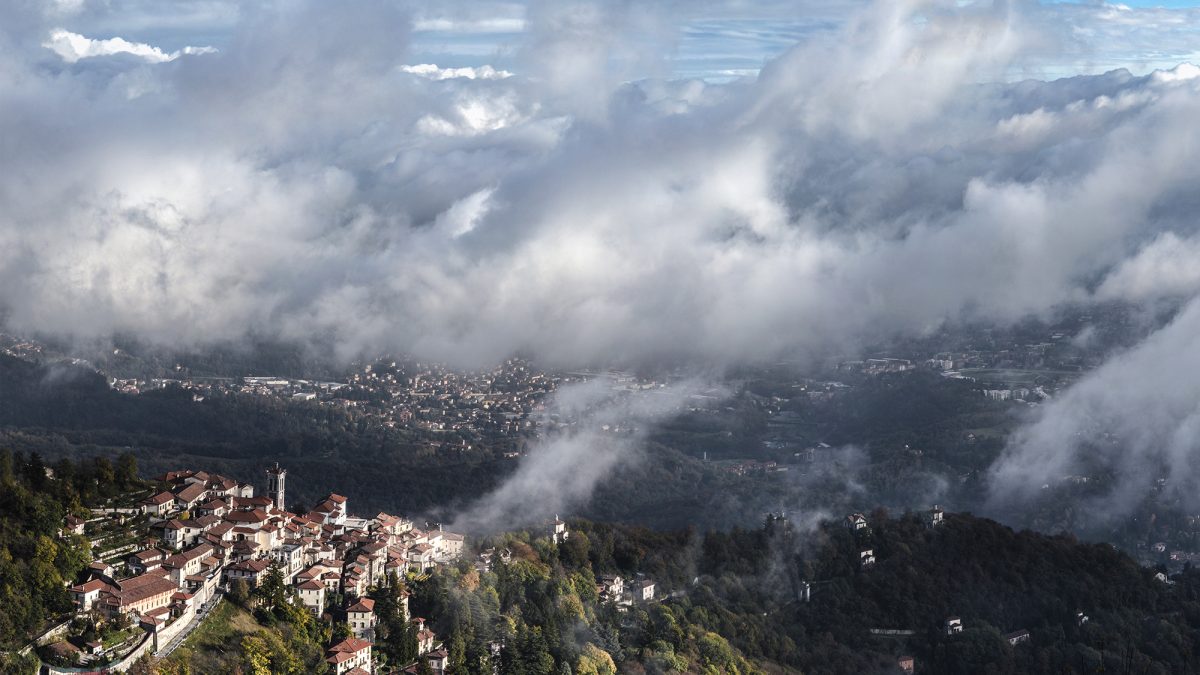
x: 364, y: 605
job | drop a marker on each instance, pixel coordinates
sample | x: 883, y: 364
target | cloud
x: 1130, y: 423
x: 591, y: 429
x: 433, y: 72
x: 481, y: 25
x: 1164, y: 267
x: 302, y: 183
x: 72, y: 47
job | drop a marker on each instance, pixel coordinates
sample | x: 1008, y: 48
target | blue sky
x: 708, y: 39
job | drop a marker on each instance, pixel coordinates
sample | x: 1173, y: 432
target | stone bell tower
x: 276, y: 478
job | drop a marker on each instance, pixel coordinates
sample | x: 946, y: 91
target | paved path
x: 201, y: 613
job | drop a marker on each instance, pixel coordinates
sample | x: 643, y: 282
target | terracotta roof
x: 93, y: 585
x: 159, y: 499
x: 190, y: 492
x: 142, y: 587
x: 349, y: 646
x: 148, y: 555
x: 199, y: 551
x: 254, y: 516
x: 251, y: 565
x: 364, y: 605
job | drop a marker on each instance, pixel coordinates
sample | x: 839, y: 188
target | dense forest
x: 733, y: 602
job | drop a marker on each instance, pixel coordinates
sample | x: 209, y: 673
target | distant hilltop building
x: 558, y: 531
x: 934, y: 516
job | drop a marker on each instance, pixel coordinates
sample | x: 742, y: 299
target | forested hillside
x: 732, y: 601
x: 37, y: 559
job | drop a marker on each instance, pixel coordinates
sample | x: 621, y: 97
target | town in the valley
x: 206, y: 533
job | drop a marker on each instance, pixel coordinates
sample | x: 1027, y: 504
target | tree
x: 595, y: 661
x: 8, y: 477
x: 35, y: 472
x: 127, y: 470
x: 256, y: 655
x: 272, y: 590
x: 106, y: 478
x: 239, y: 592
x: 458, y: 652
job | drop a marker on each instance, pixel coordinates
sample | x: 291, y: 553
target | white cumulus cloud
x: 72, y: 47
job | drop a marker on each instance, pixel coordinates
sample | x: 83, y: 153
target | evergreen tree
x: 8, y: 476
x: 127, y: 470
x: 458, y: 652
x: 272, y: 591
x: 106, y: 478
x: 239, y: 592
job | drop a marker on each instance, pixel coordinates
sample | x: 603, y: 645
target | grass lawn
x: 120, y: 636
x: 219, y: 633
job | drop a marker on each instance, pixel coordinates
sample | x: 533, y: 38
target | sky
x: 711, y: 40
x: 612, y: 182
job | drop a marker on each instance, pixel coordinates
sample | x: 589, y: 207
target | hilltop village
x: 210, y: 533
x: 166, y: 557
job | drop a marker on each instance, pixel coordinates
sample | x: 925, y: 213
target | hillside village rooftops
x: 180, y: 559
x: 190, y: 493
x: 349, y: 646
x: 89, y: 587
x: 364, y: 605
x: 149, y: 554
x: 139, y: 588
x: 159, y: 499
x: 251, y: 565
x: 254, y: 516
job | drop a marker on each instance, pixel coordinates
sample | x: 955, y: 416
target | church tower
x: 275, y: 485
